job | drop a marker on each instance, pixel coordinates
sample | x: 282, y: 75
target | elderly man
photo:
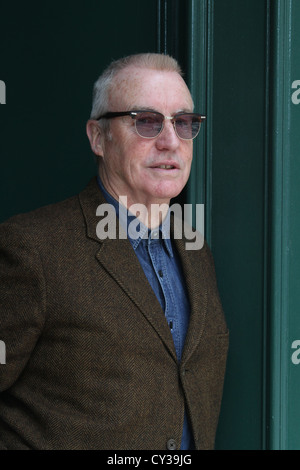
x: 119, y: 342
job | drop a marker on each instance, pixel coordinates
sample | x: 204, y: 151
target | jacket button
x: 171, y: 444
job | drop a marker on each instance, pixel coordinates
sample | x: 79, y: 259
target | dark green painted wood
x: 51, y: 54
x: 285, y: 227
x: 236, y: 163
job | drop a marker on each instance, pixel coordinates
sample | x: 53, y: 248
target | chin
x: 168, y: 193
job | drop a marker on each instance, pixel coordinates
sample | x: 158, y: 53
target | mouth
x: 166, y: 166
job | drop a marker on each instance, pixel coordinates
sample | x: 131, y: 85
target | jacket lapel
x: 192, y: 265
x: 117, y: 257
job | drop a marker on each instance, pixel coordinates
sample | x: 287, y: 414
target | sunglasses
x: 149, y: 124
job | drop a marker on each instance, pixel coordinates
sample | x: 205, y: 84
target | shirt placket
x: 157, y: 255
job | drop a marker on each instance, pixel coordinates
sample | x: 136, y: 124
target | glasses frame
x: 134, y: 115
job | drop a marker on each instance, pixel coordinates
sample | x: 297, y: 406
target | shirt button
x: 161, y: 274
x: 171, y: 444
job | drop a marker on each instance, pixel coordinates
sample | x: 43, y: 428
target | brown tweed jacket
x: 90, y: 361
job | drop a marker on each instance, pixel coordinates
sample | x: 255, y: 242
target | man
x: 115, y: 342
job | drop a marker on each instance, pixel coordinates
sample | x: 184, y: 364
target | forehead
x: 141, y: 87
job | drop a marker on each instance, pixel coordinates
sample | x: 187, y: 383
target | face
x: 131, y: 165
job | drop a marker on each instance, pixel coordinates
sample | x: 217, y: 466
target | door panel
x: 51, y: 54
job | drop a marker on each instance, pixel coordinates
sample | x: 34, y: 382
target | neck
x: 151, y: 215
x: 151, y: 212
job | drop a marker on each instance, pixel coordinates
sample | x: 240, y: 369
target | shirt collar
x: 125, y: 217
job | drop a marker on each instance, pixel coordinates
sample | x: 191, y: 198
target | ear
x: 95, y: 136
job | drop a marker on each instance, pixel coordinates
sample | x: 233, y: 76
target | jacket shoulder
x: 45, y: 215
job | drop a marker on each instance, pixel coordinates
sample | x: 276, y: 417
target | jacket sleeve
x: 22, y: 301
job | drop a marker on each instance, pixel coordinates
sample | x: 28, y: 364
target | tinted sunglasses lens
x: 187, y: 126
x: 148, y: 124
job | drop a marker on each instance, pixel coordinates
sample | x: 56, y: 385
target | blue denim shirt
x: 162, y: 268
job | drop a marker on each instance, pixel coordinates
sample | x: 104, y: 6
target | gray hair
x: 105, y: 82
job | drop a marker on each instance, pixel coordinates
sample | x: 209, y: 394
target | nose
x: 168, y: 139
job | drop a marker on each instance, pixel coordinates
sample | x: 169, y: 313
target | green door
x: 285, y: 227
x: 248, y: 168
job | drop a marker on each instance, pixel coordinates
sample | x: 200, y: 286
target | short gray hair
x: 103, y: 85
